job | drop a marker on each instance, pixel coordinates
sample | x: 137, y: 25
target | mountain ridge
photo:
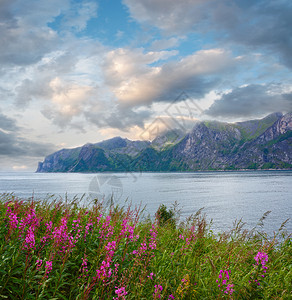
x: 211, y: 145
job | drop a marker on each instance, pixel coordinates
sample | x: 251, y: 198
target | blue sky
x: 73, y: 72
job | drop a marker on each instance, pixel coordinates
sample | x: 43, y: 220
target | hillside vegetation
x: 255, y: 144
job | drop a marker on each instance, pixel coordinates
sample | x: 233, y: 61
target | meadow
x: 57, y: 249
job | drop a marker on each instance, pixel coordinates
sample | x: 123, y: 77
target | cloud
x: 258, y: 25
x: 251, y: 101
x: 18, y: 151
x: 29, y: 90
x: 20, y: 46
x: 79, y: 14
x: 135, y: 82
x: 105, y: 112
x: 11, y: 145
x: 68, y: 100
x: 7, y: 124
x: 124, y: 118
x: 51, y: 65
x: 24, y: 35
x: 131, y: 79
x: 171, y: 16
x: 163, y: 44
x: 25, y: 32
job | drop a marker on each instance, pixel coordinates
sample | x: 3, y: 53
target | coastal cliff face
x: 255, y: 144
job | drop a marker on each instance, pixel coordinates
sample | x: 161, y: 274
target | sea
x: 224, y: 197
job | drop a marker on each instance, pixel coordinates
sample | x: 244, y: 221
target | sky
x: 74, y: 72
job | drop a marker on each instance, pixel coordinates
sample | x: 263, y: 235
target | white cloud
x: 172, y: 16
x: 20, y: 167
x: 68, y: 99
x: 163, y: 44
x: 79, y: 14
x: 134, y: 82
x: 262, y: 26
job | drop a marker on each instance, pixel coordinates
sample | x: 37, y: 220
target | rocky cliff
x: 255, y: 144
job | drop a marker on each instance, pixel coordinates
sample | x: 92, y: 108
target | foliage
x: 58, y: 250
x: 165, y: 216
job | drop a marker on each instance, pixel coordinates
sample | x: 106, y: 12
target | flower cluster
x: 261, y: 259
x: 12, y: 219
x: 29, y: 239
x: 48, y: 267
x: 30, y: 220
x: 105, y: 271
x: 84, y: 268
x: 157, y: 291
x: 223, y: 278
x: 121, y: 293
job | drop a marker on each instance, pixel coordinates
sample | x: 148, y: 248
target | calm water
x: 226, y: 196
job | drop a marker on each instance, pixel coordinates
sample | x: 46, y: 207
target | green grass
x: 99, y: 253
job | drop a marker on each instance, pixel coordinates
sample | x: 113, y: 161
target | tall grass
x: 58, y: 250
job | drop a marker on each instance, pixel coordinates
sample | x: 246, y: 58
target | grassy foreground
x: 57, y: 250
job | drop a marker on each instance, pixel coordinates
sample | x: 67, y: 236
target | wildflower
x: 49, y: 226
x: 157, y: 291
x: 171, y: 297
x: 39, y: 264
x: 13, y: 220
x: 153, y: 235
x: 87, y: 228
x: 29, y: 239
x: 229, y: 289
x: 116, y: 267
x: 110, y: 247
x: 29, y: 220
x: 121, y: 292
x: 223, y: 281
x: 84, y: 268
x: 151, y: 275
x: 261, y: 259
x: 104, y: 271
x: 48, y: 267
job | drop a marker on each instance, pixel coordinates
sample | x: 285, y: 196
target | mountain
x: 210, y: 145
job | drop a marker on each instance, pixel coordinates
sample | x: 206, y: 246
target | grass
x: 59, y: 250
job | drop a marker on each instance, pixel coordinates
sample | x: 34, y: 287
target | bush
x: 165, y: 216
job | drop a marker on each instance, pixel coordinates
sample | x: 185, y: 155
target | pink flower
x: 121, y: 292
x: 48, y: 267
x: 29, y: 239
x: 181, y: 237
x: 262, y: 258
x: 223, y: 281
x: 13, y: 220
x: 39, y: 263
x: 157, y: 291
x: 84, y: 268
